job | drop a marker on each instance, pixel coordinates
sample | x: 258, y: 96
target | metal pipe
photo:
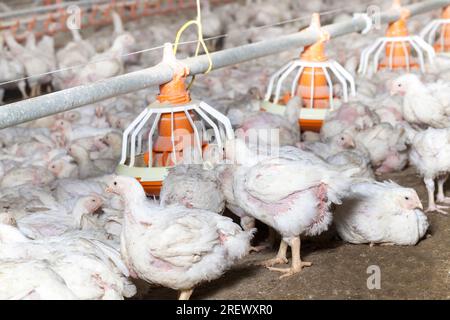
x: 35, y: 108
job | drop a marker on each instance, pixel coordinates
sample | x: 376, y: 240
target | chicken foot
x: 432, y: 206
x: 280, y: 257
x: 297, y: 264
x: 185, y: 294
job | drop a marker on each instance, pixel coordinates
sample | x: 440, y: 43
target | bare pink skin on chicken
x: 160, y: 264
x: 390, y: 164
x: 276, y: 208
x: 347, y: 114
x: 398, y: 116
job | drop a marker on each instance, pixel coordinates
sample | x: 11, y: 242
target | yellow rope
x: 198, y: 22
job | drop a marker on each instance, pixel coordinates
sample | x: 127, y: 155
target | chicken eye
x: 93, y: 200
x: 53, y: 167
x: 399, y: 85
x: 115, y: 183
x: 406, y: 198
x: 342, y: 138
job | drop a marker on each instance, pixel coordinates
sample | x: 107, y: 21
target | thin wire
x: 179, y: 44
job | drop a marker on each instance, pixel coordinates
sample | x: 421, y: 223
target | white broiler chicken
x: 10, y: 70
x: 348, y: 117
x: 341, y: 142
x: 263, y: 125
x: 107, y: 64
x: 290, y: 194
x: 174, y: 246
x: 56, y: 221
x: 430, y: 154
x: 36, y: 64
x: 353, y: 158
x: 71, y: 58
x: 119, y: 30
x: 193, y: 187
x: 87, y: 166
x: 381, y: 213
x: 423, y: 104
x: 91, y: 269
x: 385, y: 146
x: 32, y: 280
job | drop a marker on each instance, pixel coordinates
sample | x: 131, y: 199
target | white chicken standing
x: 291, y: 195
x: 174, y: 246
x: 423, y: 104
x: 430, y: 154
x: 384, y: 213
x: 106, y: 64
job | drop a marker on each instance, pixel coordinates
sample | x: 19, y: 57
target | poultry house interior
x: 224, y: 149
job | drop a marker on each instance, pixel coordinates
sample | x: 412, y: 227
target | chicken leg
x: 280, y: 258
x: 441, y: 195
x: 185, y: 294
x: 432, y: 206
x: 23, y: 89
x: 297, y: 264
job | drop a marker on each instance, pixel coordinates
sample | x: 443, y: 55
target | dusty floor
x: 339, y: 270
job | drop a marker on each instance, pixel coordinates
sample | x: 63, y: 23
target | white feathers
x: 381, y: 213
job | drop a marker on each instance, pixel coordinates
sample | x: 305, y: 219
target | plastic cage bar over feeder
x: 440, y: 39
x: 312, y: 82
x: 397, y: 44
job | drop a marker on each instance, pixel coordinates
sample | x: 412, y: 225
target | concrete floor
x: 339, y: 270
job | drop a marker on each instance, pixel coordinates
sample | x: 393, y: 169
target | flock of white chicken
x: 71, y: 229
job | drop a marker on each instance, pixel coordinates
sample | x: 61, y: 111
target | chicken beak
x: 392, y: 92
x: 109, y: 190
x: 419, y: 204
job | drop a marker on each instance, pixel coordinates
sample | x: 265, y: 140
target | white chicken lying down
x: 330, y: 147
x: 384, y: 213
x: 174, y: 246
x: 32, y: 280
x: 353, y: 158
x: 385, y: 145
x: 291, y: 192
x: 193, y: 187
x: 57, y: 222
x: 91, y: 269
x: 430, y: 154
x: 423, y: 104
x: 258, y: 124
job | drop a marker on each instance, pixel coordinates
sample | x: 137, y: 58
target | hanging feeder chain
x: 60, y: 101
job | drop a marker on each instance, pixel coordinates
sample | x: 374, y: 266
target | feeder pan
x: 312, y: 82
x: 430, y: 32
x: 397, y: 44
x: 177, y: 127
